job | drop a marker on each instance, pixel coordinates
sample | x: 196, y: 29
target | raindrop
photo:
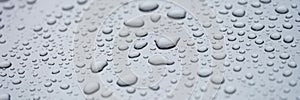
x: 155, y: 18
x: 166, y: 43
x: 4, y: 96
x: 219, y: 56
x: 91, y: 87
x: 287, y: 25
x: 136, y: 22
x: 275, y: 36
x: 177, y: 14
x: 229, y: 89
x: 288, y: 39
x: 99, y: 66
x: 5, y: 64
x: 265, y: 1
x: 205, y: 72
x: 148, y: 6
x: 239, y: 13
x: 159, y: 60
x: 140, y: 45
x: 107, y: 30
x: 217, y: 79
x: 282, y: 10
x: 127, y: 79
x: 257, y: 27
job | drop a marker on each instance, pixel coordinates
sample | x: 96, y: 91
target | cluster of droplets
x: 262, y: 49
x: 152, y: 45
x: 37, y: 56
x: 149, y: 49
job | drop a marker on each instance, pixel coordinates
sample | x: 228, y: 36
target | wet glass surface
x: 149, y: 49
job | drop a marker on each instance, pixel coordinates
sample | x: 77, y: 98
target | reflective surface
x: 149, y: 49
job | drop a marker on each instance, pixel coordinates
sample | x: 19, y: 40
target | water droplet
x: 257, y: 27
x: 219, y: 56
x: 136, y: 22
x: 217, y: 79
x: 288, y: 39
x: 127, y: 79
x: 275, y: 36
x: 202, y: 49
x: 81, y: 2
x: 91, y: 87
x: 229, y: 89
x: 282, y: 10
x: 134, y: 54
x: 287, y: 25
x: 155, y: 18
x: 159, y: 60
x: 265, y: 1
x: 5, y: 64
x: 238, y: 13
x: 204, y: 72
x: 106, y: 93
x: 99, y: 66
x: 140, y: 45
x: 107, y: 30
x: 148, y: 6
x: 166, y: 43
x: 4, y: 96
x: 177, y: 14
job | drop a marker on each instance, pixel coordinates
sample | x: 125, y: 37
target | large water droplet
x: 99, y: 66
x: 127, y: 79
x: 257, y: 27
x: 204, y: 72
x: 159, y: 60
x: 282, y: 10
x: 166, y: 43
x: 5, y: 64
x: 4, y: 96
x: 177, y: 14
x: 148, y: 6
x: 135, y: 22
x: 238, y: 13
x: 91, y: 87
